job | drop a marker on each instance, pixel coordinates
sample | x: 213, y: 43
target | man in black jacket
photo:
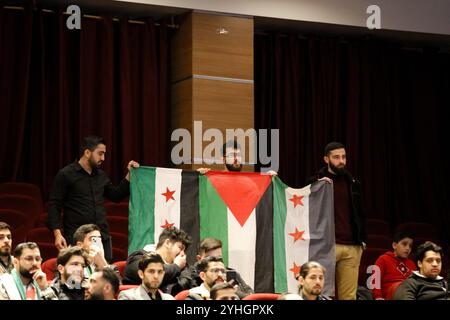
x: 425, y: 284
x: 349, y: 219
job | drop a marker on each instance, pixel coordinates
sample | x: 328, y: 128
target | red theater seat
x: 262, y: 296
x: 18, y: 223
x: 49, y: 268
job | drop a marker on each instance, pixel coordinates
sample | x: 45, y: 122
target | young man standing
x: 79, y: 190
x: 349, y: 218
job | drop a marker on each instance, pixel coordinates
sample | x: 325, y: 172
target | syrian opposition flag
x: 303, y: 231
x: 267, y: 229
x: 161, y: 198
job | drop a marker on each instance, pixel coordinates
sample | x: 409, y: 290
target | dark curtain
x: 58, y: 85
x: 387, y: 104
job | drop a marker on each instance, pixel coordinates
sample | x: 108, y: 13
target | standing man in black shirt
x: 349, y: 219
x: 78, y: 193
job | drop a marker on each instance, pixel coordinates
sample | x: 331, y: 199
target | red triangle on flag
x: 241, y: 191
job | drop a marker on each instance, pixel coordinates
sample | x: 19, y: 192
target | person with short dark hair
x: 425, y: 284
x: 349, y: 218
x: 171, y: 246
x: 89, y: 238
x: 311, y: 280
x: 213, y: 247
x: 394, y: 266
x: 103, y: 285
x: 26, y: 281
x: 6, y: 259
x: 212, y: 271
x: 223, y: 291
x: 69, y: 284
x: 79, y: 190
x: 151, y: 273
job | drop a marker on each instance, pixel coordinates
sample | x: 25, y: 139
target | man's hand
x: 40, y: 277
x: 97, y: 256
x: 325, y: 179
x: 131, y: 164
x: 203, y: 170
x: 180, y: 260
x: 60, y: 242
x: 271, y: 173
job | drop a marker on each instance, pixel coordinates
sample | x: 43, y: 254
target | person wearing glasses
x: 26, y: 281
x: 212, y: 271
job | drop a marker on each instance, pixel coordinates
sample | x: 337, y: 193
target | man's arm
x: 55, y: 206
x: 116, y: 194
x: 405, y: 291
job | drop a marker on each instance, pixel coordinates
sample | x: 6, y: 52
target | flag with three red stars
x: 303, y: 227
x: 236, y: 208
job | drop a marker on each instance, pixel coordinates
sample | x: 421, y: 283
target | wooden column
x: 212, y: 75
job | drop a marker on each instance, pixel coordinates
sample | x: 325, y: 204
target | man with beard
x: 103, y: 285
x: 151, y: 272
x: 426, y: 283
x: 212, y: 271
x: 68, y: 285
x: 349, y: 218
x: 311, y: 280
x: 79, y: 190
x: 26, y: 281
x: 213, y: 247
x: 6, y: 260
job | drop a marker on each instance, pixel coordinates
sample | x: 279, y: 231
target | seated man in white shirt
x: 212, y: 271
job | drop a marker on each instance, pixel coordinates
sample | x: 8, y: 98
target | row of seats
x: 21, y: 206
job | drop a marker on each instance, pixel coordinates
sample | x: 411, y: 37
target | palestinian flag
x: 233, y: 207
x: 303, y: 231
x: 267, y: 229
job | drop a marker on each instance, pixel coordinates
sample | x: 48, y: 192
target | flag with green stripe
x: 247, y: 211
x: 303, y: 231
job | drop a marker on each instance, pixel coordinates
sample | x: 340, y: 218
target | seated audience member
x: 89, y: 238
x: 213, y: 247
x: 69, y: 284
x: 151, y: 273
x: 171, y: 247
x: 395, y: 266
x: 311, y: 280
x: 26, y: 281
x: 103, y: 285
x: 6, y: 259
x: 425, y: 284
x: 212, y: 271
x: 223, y: 291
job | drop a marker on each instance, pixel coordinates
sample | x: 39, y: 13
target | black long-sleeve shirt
x: 79, y: 196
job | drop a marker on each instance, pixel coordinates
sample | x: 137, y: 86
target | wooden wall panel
x: 222, y: 55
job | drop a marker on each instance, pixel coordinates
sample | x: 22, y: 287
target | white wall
x: 428, y: 16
